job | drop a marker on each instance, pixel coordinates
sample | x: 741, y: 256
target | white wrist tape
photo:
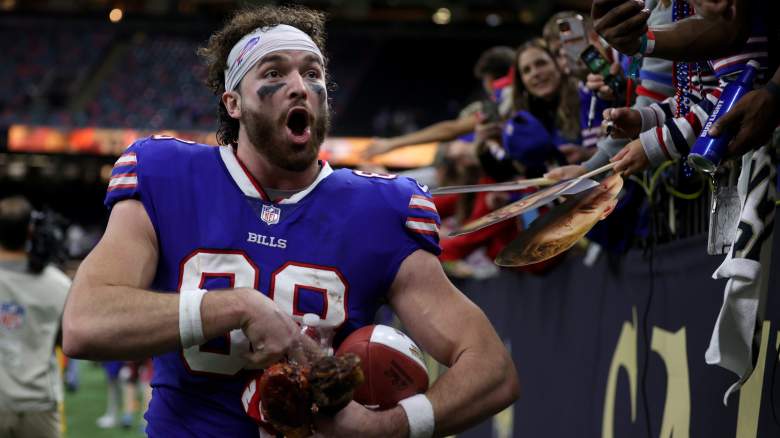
x: 419, y: 412
x: 190, y: 324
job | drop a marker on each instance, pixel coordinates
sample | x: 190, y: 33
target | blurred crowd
x: 592, y: 89
x: 585, y: 94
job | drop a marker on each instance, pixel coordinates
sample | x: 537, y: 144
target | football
x: 392, y: 364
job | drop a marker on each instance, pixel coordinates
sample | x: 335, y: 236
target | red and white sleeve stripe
x: 422, y: 203
x: 128, y: 159
x: 422, y: 226
x: 123, y: 181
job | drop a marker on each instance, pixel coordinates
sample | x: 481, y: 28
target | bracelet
x: 190, y: 324
x: 419, y: 412
x: 648, y: 43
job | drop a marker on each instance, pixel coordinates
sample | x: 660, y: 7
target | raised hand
x: 621, y: 23
x: 596, y: 83
x: 488, y: 131
x: 626, y: 123
x: 715, y: 8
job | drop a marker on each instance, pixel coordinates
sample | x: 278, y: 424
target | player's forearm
x: 117, y: 322
x: 481, y: 382
x: 700, y: 39
x: 114, y: 322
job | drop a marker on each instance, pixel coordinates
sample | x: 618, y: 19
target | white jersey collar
x: 251, y: 188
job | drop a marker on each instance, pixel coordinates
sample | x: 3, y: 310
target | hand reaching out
x: 378, y: 146
x: 575, y: 153
x: 566, y: 172
x: 488, y: 131
x: 626, y: 122
x: 631, y: 159
x: 621, y: 22
x: 596, y: 83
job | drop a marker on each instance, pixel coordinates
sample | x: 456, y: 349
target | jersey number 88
x: 284, y: 288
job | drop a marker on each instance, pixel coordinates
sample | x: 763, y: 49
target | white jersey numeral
x: 240, y: 272
x: 286, y: 285
x: 374, y: 174
x: 287, y: 282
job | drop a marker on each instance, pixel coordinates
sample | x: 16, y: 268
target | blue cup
x: 708, y: 151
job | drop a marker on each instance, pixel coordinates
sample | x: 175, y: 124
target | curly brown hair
x: 244, y: 21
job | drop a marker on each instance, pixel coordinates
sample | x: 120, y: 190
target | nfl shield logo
x: 11, y: 315
x: 270, y: 214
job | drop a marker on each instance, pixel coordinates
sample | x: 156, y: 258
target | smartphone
x: 598, y: 64
x: 595, y: 61
x: 574, y: 40
x: 490, y: 111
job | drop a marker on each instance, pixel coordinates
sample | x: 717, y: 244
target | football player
x: 212, y: 254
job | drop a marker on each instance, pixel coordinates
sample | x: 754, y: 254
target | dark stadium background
x: 63, y: 63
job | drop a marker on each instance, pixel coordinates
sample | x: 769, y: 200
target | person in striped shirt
x: 667, y: 130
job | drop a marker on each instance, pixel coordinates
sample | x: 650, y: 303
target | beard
x: 269, y: 137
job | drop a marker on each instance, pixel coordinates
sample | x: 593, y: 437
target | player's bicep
x: 126, y: 254
x: 433, y: 311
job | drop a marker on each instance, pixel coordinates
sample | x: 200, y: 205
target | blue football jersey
x: 332, y: 249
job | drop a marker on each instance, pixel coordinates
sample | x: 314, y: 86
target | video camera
x: 47, y: 240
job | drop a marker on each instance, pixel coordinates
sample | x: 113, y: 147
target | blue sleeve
x: 125, y: 176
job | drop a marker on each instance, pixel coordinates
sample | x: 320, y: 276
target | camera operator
x: 32, y: 297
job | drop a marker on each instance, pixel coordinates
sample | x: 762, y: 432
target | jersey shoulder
x: 383, y: 188
x: 148, y: 160
x: 163, y: 153
x: 399, y: 197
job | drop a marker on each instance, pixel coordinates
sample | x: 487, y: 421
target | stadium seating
x: 157, y: 84
x: 43, y: 70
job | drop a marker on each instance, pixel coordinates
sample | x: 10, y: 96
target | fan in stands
x: 392, y: 364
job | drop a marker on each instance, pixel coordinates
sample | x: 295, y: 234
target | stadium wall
x: 615, y: 350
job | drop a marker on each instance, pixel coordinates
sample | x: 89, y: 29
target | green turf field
x: 83, y: 407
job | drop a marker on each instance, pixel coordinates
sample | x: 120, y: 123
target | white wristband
x: 190, y: 324
x: 419, y: 412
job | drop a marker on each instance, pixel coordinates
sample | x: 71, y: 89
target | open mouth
x: 298, y: 127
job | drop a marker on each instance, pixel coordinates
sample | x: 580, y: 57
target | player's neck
x: 270, y: 176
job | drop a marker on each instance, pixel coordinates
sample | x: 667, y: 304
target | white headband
x: 254, y: 46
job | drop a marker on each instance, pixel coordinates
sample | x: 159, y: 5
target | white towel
x: 747, y: 268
